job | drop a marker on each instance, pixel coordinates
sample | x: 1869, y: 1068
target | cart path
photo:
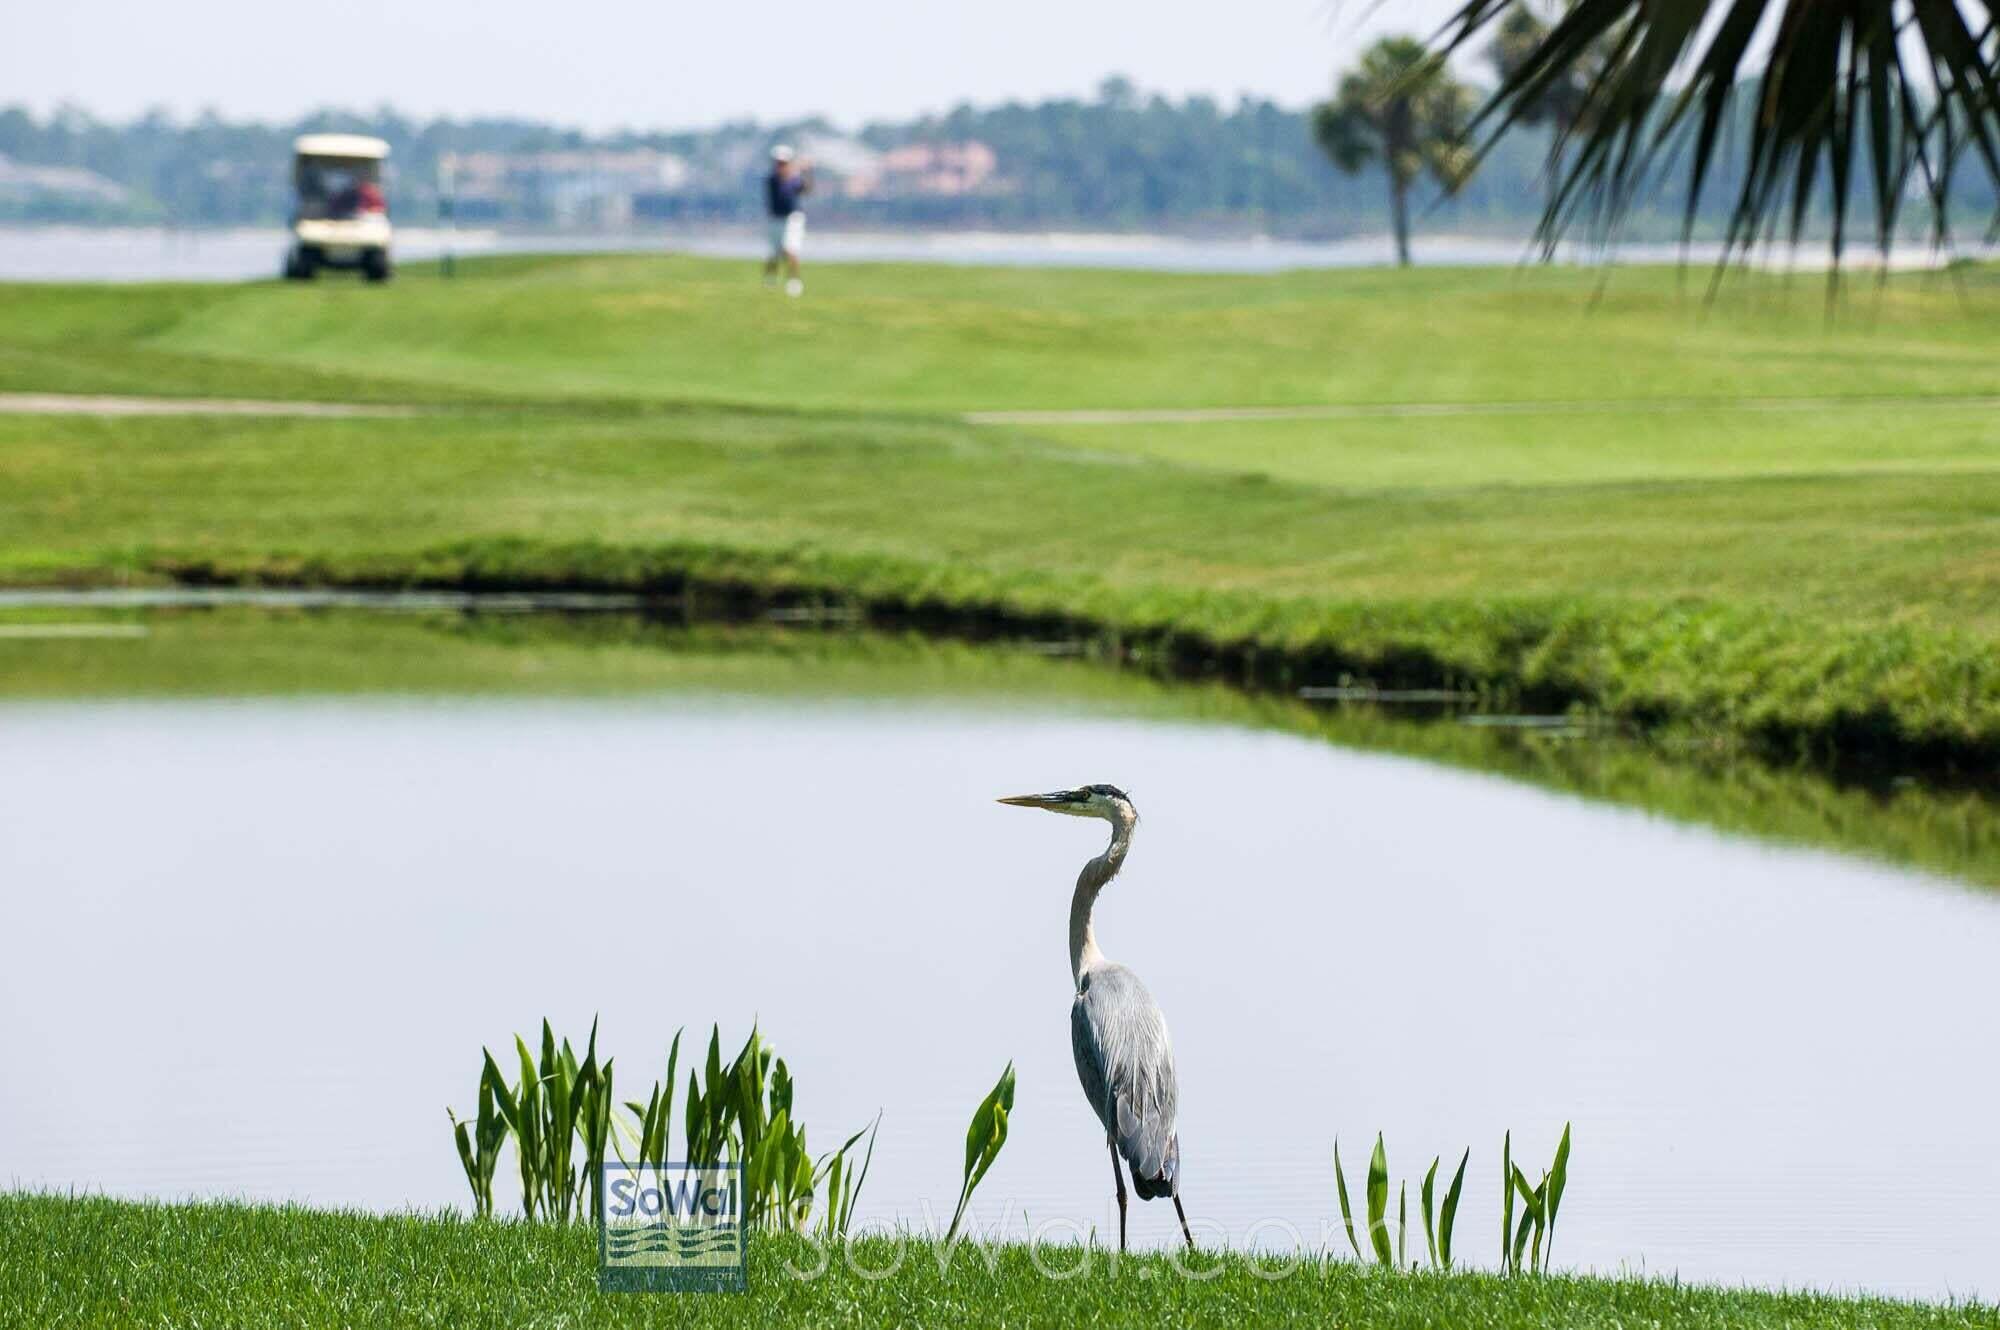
x: 63, y: 404
x: 1368, y: 410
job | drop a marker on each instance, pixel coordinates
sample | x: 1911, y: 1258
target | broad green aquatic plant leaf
x: 1430, y: 1227
x: 744, y: 1081
x: 983, y: 1140
x: 761, y: 1166
x: 1378, y: 1203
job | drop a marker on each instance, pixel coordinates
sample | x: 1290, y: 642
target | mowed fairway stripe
x: 63, y: 404
x: 1376, y: 410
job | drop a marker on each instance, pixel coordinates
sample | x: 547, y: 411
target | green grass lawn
x: 1825, y: 577
x: 87, y: 1261
x: 1932, y: 438
x: 894, y: 337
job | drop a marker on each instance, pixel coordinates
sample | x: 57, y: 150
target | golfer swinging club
x: 783, y: 189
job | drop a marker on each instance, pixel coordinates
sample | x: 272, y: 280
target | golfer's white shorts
x: 788, y: 234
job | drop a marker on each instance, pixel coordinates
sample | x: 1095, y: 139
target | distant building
x: 598, y: 187
x: 938, y: 169
x: 72, y: 183
x: 839, y: 161
x: 613, y: 188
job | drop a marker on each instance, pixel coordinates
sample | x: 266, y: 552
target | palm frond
x: 1893, y: 94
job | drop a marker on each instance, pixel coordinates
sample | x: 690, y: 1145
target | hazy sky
x: 670, y: 63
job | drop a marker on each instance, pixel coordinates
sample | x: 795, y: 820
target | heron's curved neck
x: 1083, y: 952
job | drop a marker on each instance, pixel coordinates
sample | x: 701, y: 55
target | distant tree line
x: 1121, y: 160
x: 215, y: 172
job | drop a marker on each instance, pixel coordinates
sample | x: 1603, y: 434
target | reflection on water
x: 258, y: 944
x: 214, y: 643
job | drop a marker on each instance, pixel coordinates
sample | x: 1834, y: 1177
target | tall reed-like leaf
x: 1507, y: 1202
x: 1449, y: 1216
x: 1403, y: 1225
x: 835, y: 1180
x: 867, y: 1159
x: 1531, y: 1219
x: 843, y: 1183
x: 657, y: 1117
x: 558, y: 1072
x: 1558, y: 1179
x: 528, y: 1131
x: 693, y: 1130
x: 657, y: 1114
x: 593, y: 1120
x: 461, y: 1137
x: 479, y: 1141
x: 1541, y: 1222
x: 710, y: 1111
x: 647, y: 1115
x: 1346, y: 1210
x: 761, y: 1166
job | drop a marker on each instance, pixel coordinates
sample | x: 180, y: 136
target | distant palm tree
x: 1563, y: 101
x: 1402, y: 108
x: 1893, y: 95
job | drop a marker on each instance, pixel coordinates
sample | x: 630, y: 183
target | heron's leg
x: 1183, y: 1214
x: 1118, y: 1180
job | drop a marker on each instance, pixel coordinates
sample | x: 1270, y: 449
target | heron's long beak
x: 1058, y: 800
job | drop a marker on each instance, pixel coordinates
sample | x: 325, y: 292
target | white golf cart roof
x: 340, y: 145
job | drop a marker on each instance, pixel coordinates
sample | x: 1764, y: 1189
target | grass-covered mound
x: 89, y: 1261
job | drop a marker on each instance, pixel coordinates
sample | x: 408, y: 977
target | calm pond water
x: 256, y: 946
x: 150, y: 254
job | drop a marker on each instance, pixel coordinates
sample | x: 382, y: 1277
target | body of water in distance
x: 148, y: 254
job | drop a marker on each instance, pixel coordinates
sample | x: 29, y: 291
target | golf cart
x: 340, y: 218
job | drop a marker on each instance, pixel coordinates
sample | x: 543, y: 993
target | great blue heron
x: 1123, y: 1056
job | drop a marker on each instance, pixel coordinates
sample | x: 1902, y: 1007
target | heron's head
x: 1106, y: 802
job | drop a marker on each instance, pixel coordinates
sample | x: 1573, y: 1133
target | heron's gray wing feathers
x: 1126, y: 1064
